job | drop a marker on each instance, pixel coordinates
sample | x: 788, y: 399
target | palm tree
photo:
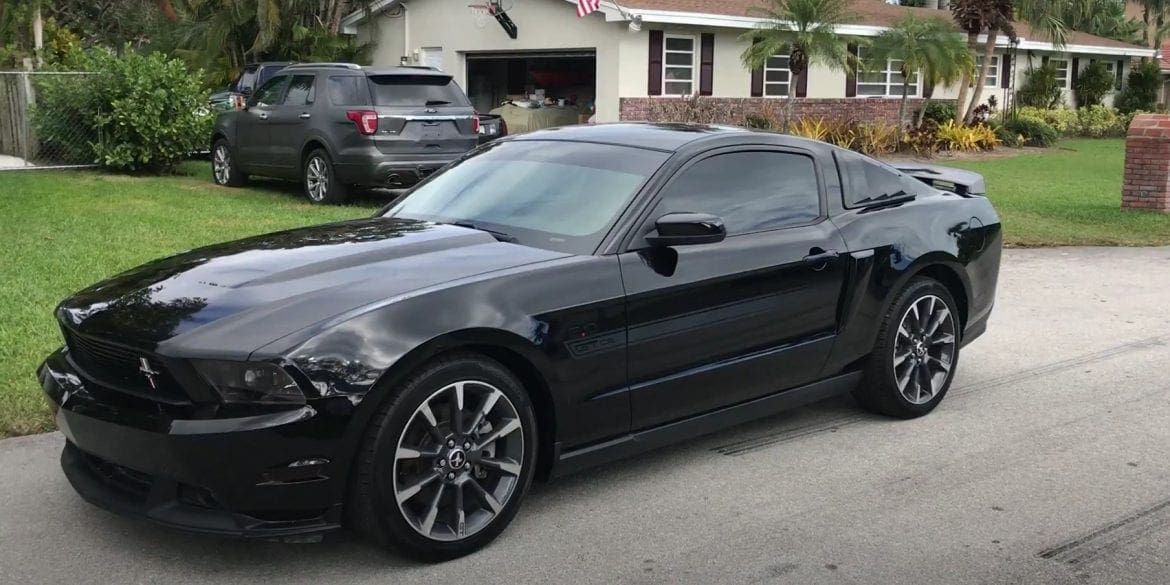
x: 804, y: 29
x: 975, y: 17
x: 930, y: 47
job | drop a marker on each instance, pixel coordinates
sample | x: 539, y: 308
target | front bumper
x: 225, y: 477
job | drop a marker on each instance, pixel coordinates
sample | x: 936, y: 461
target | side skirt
x: 579, y: 459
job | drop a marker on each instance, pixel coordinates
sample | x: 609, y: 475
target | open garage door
x: 497, y: 81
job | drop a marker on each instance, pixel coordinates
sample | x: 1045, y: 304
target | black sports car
x: 552, y: 301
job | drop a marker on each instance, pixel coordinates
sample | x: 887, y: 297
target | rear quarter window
x: 416, y: 90
x: 865, y: 181
x: 347, y: 90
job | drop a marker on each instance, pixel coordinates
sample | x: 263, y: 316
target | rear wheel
x: 913, y: 362
x: 447, y: 461
x: 223, y: 166
x: 320, y: 181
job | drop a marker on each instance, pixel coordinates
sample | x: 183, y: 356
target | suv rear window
x: 416, y: 90
x: 347, y: 91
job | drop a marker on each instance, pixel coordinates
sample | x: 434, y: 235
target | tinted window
x: 416, y: 90
x: 266, y: 73
x: 864, y: 180
x: 272, y: 92
x: 556, y: 195
x: 348, y: 91
x: 751, y: 191
x: 300, y: 91
x: 247, y: 80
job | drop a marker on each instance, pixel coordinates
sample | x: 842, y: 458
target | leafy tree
x: 975, y: 17
x: 1141, y: 88
x: 1093, y: 84
x: 1041, y: 88
x: 930, y: 45
x: 804, y: 29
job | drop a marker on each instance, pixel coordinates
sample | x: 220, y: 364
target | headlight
x: 250, y: 382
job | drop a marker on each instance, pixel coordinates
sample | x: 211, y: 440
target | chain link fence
x: 44, y: 136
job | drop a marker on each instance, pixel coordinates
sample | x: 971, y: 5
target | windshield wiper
x: 437, y: 103
x: 501, y: 236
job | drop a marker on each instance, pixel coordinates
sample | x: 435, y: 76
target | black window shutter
x: 1044, y: 60
x: 851, y: 75
x: 1005, y: 70
x: 1120, y: 66
x: 654, y: 71
x: 802, y: 85
x: 758, y: 82
x: 1075, y: 72
x: 927, y: 89
x: 706, y: 63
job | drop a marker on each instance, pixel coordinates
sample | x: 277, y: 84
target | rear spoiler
x: 956, y: 181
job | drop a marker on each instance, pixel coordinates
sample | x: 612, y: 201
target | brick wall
x: 1147, y: 164
x: 733, y: 110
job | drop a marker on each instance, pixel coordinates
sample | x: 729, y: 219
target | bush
x: 959, y: 138
x: 874, y: 138
x: 1093, y: 84
x: 1040, y: 89
x: 814, y: 128
x: 1007, y: 137
x: 1141, y: 88
x: 938, y: 112
x: 1098, y: 121
x: 1029, y: 132
x: 149, y: 111
x: 1063, y: 120
x: 923, y: 140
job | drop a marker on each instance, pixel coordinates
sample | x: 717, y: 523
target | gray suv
x: 337, y: 125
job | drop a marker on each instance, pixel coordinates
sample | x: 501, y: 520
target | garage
x: 532, y: 90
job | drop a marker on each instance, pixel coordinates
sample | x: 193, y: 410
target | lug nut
x: 450, y: 476
x: 442, y: 463
x: 466, y: 445
x: 450, y: 442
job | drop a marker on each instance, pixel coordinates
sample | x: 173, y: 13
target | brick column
x: 1147, y: 164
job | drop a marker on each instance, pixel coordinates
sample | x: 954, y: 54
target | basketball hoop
x: 482, y: 14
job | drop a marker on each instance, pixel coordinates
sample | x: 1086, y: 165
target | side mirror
x: 685, y: 229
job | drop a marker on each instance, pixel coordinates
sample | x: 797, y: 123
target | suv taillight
x: 365, y: 120
x: 475, y: 123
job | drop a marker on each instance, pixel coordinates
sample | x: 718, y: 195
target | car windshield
x: 560, y: 196
x: 416, y: 90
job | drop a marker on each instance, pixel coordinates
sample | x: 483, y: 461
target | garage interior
x: 494, y: 79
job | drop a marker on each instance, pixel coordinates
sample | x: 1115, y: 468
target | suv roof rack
x: 336, y: 65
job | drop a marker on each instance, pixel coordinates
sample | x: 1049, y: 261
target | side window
x: 751, y: 191
x: 271, y: 93
x: 300, y: 91
x: 348, y: 90
x: 247, y: 80
x: 864, y: 180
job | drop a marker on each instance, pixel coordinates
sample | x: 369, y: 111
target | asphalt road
x: 1049, y: 462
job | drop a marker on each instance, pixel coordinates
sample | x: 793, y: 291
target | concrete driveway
x: 1049, y: 462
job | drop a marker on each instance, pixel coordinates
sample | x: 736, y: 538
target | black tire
x: 373, y: 507
x: 224, y: 170
x: 906, y: 344
x: 319, y: 180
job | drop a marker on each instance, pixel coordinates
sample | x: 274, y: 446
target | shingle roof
x: 873, y: 12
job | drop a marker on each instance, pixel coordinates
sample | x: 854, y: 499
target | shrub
x: 1063, y: 120
x: 814, y: 128
x: 1030, y: 132
x: 1141, y: 88
x: 938, y: 112
x: 758, y: 121
x: 957, y: 137
x: 875, y: 138
x: 149, y: 111
x: 1098, y: 121
x: 1007, y: 137
x: 1093, y: 84
x: 984, y: 136
x: 843, y: 134
x: 923, y: 140
x: 1040, y: 89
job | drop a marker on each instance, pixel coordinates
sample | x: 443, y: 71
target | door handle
x: 818, y: 258
x: 262, y: 115
x: 305, y: 116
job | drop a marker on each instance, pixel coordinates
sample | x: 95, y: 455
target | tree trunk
x: 902, y: 106
x: 965, y: 82
x: 1146, y: 26
x: 977, y: 93
x: 335, y: 19
x: 790, y: 103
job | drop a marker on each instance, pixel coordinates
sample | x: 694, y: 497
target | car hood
x: 231, y: 298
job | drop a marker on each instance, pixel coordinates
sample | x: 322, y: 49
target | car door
x: 288, y: 124
x: 253, y: 136
x: 713, y: 325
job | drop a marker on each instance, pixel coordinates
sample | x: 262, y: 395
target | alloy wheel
x: 458, y: 460
x: 221, y: 165
x: 924, y: 350
x: 317, y: 179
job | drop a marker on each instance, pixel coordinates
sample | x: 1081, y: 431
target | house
x: 618, y: 60
x: 1164, y: 96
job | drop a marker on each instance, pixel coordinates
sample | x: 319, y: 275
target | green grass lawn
x: 69, y: 229
x: 1068, y: 196
x: 66, y: 230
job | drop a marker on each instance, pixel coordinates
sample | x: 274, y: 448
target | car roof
x: 652, y: 135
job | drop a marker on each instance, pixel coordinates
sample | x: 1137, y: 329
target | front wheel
x: 447, y: 460
x: 914, y: 359
x: 320, y: 180
x: 223, y: 166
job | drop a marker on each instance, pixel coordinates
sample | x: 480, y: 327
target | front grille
x: 122, y: 368
x: 124, y: 479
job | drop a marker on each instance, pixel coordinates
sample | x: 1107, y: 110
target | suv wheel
x: 321, y: 184
x: 913, y: 362
x: 223, y: 166
x: 447, y: 460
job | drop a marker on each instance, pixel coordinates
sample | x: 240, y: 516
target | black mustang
x: 551, y: 302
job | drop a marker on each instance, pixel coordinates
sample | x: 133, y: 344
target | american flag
x: 587, y: 6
